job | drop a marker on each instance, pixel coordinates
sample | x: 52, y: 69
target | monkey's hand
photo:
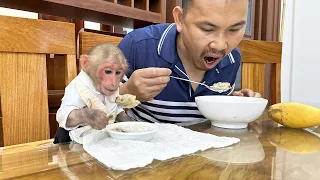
x: 95, y: 118
x: 146, y: 83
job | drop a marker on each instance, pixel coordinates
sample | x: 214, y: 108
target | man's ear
x: 178, y: 17
x: 85, y: 62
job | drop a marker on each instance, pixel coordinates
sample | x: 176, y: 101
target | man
x: 199, y: 46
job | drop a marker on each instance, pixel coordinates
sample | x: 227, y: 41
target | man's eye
x: 107, y: 71
x: 234, y: 30
x: 118, y: 72
x: 206, y: 30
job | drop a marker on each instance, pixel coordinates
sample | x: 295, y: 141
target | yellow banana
x: 295, y: 115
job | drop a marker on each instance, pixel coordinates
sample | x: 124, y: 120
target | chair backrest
x: 89, y: 39
x: 255, y: 57
x: 23, y: 76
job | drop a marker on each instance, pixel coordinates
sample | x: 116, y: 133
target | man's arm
x: 145, y: 83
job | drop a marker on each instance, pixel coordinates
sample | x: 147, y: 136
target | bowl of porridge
x: 140, y: 131
x: 231, y: 112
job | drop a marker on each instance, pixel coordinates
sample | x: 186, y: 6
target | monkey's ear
x: 85, y: 62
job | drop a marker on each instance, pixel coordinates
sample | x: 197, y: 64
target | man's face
x: 211, y: 29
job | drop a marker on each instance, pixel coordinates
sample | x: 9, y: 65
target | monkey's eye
x: 107, y: 71
x: 118, y: 72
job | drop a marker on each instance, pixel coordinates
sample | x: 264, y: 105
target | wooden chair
x: 255, y: 57
x: 23, y: 76
x: 87, y: 40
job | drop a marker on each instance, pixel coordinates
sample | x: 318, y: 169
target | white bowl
x: 233, y: 112
x: 140, y: 136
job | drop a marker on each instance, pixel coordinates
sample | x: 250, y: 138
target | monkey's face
x: 109, y: 76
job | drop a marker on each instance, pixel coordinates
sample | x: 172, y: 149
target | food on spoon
x: 134, y: 129
x: 295, y: 115
x: 127, y: 101
x: 221, y: 86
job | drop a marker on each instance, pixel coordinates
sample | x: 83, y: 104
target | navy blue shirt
x: 155, y: 46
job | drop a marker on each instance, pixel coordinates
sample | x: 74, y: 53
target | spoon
x: 215, y: 89
x: 90, y: 129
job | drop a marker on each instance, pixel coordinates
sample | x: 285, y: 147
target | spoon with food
x: 219, y: 87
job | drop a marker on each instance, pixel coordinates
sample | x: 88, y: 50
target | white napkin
x: 169, y: 141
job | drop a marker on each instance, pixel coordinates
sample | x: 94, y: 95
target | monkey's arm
x: 73, y: 112
x: 71, y: 101
x: 96, y: 118
x: 77, y: 117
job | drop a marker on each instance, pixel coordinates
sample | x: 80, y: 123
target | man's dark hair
x: 186, y: 4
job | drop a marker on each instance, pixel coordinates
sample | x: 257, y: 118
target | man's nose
x: 219, y: 42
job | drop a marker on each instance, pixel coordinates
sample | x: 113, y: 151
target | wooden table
x: 264, y: 152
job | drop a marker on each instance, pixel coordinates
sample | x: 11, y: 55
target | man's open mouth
x: 210, y: 60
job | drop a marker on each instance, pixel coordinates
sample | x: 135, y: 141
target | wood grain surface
x: 24, y: 98
x: 254, y: 51
x: 253, y: 77
x: 256, y: 56
x: 112, y: 8
x: 70, y: 68
x: 88, y: 39
x: 36, y: 36
x: 25, y: 43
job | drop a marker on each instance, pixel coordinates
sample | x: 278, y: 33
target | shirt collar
x: 167, y: 48
x: 226, y: 61
x: 87, y: 81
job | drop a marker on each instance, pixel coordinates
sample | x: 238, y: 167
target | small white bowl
x: 233, y: 112
x: 140, y: 136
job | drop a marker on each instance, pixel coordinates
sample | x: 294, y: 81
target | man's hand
x: 146, y: 83
x: 247, y: 93
x: 95, y: 118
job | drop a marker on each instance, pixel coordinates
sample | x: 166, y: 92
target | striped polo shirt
x: 155, y: 46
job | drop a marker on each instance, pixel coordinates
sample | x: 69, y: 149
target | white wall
x: 18, y: 13
x: 92, y: 25
x: 300, y: 78
x: 300, y: 59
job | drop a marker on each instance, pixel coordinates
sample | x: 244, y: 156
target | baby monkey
x: 92, y: 94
